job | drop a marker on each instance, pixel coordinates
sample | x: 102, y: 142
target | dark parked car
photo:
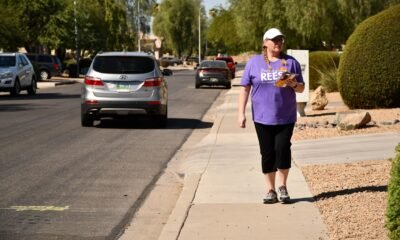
x: 48, y: 65
x: 213, y: 72
x: 122, y: 84
x: 231, y: 64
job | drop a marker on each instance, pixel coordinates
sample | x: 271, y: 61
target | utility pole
x: 138, y: 24
x: 199, y: 33
x: 77, y: 55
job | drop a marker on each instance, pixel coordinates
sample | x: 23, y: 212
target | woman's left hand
x: 291, y: 82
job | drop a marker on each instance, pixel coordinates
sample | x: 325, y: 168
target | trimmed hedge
x: 369, y: 75
x: 322, y: 62
x: 393, y: 209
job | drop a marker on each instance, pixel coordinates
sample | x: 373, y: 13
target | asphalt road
x: 59, y: 180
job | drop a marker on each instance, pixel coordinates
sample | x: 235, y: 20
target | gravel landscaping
x: 352, y: 198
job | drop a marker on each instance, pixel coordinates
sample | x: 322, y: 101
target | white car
x: 16, y: 74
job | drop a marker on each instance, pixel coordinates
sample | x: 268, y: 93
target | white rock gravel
x: 352, y: 198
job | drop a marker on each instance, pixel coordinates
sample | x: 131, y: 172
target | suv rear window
x: 31, y: 57
x: 123, y: 64
x: 45, y: 58
x: 212, y: 64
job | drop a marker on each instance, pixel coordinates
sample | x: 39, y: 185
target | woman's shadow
x: 332, y: 194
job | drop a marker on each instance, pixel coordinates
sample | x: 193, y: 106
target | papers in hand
x: 285, y: 76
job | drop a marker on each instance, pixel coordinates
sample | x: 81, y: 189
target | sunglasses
x: 277, y: 39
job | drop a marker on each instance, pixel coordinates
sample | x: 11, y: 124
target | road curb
x: 193, y: 174
x: 187, y: 165
x: 176, y: 220
x: 65, y: 82
x: 52, y: 84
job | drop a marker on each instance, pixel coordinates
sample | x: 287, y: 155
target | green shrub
x: 321, y: 62
x: 393, y: 209
x: 368, y: 75
x: 328, y: 80
x: 68, y: 62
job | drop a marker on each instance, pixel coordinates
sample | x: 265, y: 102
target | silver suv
x: 124, y: 83
x: 16, y: 74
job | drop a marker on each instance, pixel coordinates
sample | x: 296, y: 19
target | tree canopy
x: 42, y: 25
x: 176, y: 22
x: 222, y: 32
x: 314, y: 25
x: 107, y: 25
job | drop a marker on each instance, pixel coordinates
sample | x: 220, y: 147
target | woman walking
x: 273, y: 78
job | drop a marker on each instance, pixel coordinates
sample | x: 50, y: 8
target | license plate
x: 214, y: 79
x: 123, y: 87
x: 122, y: 113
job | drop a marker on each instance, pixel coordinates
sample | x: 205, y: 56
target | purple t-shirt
x: 271, y: 105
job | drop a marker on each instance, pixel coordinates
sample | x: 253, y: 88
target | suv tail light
x: 92, y: 81
x: 153, y: 82
x: 56, y: 66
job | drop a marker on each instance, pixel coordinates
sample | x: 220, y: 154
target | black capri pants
x: 275, y: 146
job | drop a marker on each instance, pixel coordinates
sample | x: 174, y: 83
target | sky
x: 214, y: 3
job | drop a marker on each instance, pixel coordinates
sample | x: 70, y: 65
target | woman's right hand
x: 243, y: 96
x: 242, y: 121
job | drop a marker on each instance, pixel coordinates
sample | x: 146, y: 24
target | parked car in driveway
x: 124, y: 84
x: 16, y: 74
x: 170, y: 61
x: 192, y: 60
x: 48, y: 65
x: 213, y: 72
x: 231, y: 64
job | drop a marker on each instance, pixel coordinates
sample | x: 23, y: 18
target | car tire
x: 86, y: 120
x: 161, y: 120
x: 32, y: 88
x: 16, y: 89
x: 228, y: 85
x: 197, y: 85
x: 44, y: 74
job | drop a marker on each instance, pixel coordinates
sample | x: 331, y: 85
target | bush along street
x: 393, y: 210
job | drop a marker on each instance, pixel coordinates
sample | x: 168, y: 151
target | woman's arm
x: 243, y: 98
x: 297, y: 86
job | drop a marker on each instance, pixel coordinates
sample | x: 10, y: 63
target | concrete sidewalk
x: 346, y: 149
x: 224, y: 188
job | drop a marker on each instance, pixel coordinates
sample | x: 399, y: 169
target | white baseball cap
x: 272, y: 33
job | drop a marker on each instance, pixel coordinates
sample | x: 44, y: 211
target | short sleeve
x: 297, y: 70
x: 246, y: 76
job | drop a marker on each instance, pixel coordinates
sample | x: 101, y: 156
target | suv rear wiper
x: 130, y: 71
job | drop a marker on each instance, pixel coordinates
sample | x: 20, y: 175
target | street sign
x: 302, y: 98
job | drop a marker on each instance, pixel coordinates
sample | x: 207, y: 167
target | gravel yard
x: 352, y: 198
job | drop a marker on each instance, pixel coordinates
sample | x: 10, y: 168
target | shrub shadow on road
x: 15, y: 107
x: 147, y: 123
x: 39, y: 96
